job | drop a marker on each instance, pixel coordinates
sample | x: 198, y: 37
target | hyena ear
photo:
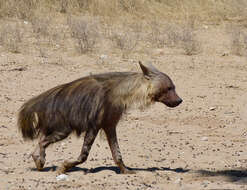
x: 148, y: 71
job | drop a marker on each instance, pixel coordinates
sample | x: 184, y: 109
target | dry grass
x: 125, y: 39
x: 190, y: 44
x: 238, y: 39
x: 22, y: 9
x: 204, y: 10
x: 85, y: 33
x: 165, y: 24
x: 41, y: 25
x: 41, y: 30
x: 157, y: 35
x: 11, y: 37
x: 175, y: 36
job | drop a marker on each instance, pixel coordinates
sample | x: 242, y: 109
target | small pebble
x: 212, y: 108
x: 62, y: 177
x: 204, y: 138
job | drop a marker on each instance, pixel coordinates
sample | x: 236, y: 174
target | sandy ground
x: 198, y: 145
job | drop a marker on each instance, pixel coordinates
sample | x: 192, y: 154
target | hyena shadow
x: 149, y: 169
x: 114, y: 169
x: 231, y: 175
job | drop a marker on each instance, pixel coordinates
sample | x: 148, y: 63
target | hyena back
x: 89, y: 104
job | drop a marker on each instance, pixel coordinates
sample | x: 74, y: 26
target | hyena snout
x: 173, y: 104
x: 177, y: 102
x: 172, y: 100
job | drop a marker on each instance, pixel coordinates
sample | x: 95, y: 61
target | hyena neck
x: 133, y: 92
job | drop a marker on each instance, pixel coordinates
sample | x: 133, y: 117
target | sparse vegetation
x: 85, y: 32
x: 203, y: 9
x: 41, y: 25
x: 125, y: 39
x: 175, y: 36
x: 190, y: 44
x: 154, y: 24
x: 157, y: 35
x: 238, y: 39
x: 11, y: 37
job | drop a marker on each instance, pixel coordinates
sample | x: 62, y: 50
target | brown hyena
x: 89, y: 104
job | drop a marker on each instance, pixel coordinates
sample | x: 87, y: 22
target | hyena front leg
x: 115, y: 150
x: 87, y: 144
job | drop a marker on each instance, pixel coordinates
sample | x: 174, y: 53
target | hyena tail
x: 28, y: 123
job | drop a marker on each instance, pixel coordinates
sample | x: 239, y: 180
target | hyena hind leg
x: 39, y: 153
x: 87, y: 144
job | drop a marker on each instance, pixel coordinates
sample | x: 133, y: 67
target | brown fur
x: 89, y: 104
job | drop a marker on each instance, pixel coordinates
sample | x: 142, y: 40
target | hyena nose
x: 180, y: 101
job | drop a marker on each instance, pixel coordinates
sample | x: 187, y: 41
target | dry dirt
x: 199, y: 145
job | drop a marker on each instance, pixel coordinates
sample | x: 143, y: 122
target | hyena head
x: 162, y: 87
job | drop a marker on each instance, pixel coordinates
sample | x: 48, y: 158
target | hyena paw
x: 38, y: 162
x: 63, y: 168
